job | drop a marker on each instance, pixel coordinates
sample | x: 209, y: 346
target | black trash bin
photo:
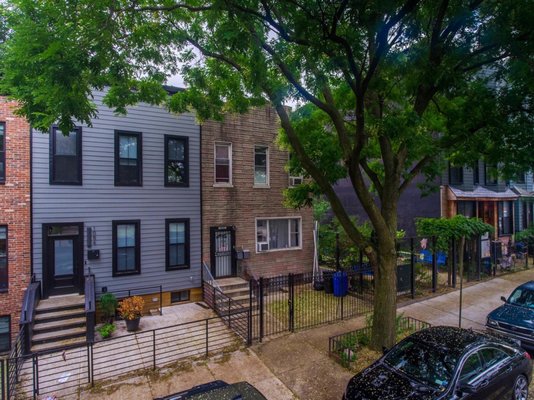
x: 328, y: 282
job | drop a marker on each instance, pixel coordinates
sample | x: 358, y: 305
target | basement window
x: 180, y: 296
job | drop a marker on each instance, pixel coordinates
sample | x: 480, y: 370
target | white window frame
x: 230, y: 157
x: 267, y: 183
x: 299, y: 247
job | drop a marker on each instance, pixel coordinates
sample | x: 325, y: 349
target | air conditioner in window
x: 295, y: 180
x: 263, y: 246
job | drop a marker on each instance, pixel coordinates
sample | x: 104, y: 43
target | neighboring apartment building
x: 523, y: 186
x: 247, y: 231
x: 15, y: 208
x: 120, y: 200
x: 479, y: 191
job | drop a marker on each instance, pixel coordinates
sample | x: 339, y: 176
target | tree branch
x: 413, y: 173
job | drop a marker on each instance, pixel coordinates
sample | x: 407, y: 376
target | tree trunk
x: 385, y: 296
x: 461, y: 248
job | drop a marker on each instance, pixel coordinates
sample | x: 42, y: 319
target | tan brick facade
x: 15, y: 210
x: 242, y: 203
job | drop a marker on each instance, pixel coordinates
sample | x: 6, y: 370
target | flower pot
x: 132, y: 324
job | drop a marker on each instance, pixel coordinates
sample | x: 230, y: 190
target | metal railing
x: 31, y: 299
x: 343, y: 347
x: 64, y: 373
x: 138, y: 291
x: 208, y: 277
x: 90, y: 307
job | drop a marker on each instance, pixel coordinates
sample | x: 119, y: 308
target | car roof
x: 450, y: 339
x: 218, y: 390
x: 527, y: 285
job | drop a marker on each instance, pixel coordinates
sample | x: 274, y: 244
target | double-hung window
x: 456, y: 175
x: 294, y: 178
x: 5, y: 333
x: 128, y: 159
x: 223, y: 164
x: 491, y: 175
x: 505, y: 217
x: 278, y: 234
x: 3, y: 259
x: 66, y: 157
x: 261, y: 166
x: 177, y: 234
x: 2, y: 152
x: 126, y: 248
x: 176, y: 161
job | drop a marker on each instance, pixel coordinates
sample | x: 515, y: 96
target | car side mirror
x: 503, y: 298
x: 466, y: 388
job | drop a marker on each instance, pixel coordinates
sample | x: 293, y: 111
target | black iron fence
x: 298, y: 301
x: 344, y: 348
x: 64, y: 373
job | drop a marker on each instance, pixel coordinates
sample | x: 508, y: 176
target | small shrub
x: 131, y: 307
x: 106, y: 330
x: 108, y: 305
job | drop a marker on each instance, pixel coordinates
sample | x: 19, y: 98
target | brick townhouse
x: 246, y: 230
x: 15, y: 250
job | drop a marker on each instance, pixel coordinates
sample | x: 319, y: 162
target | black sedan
x: 446, y: 363
x: 218, y: 390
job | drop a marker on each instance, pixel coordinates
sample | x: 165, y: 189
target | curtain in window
x: 278, y: 234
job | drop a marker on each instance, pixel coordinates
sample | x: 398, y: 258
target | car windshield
x: 522, y: 297
x: 430, y: 366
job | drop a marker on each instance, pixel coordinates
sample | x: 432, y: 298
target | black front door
x: 222, y: 252
x: 63, y: 259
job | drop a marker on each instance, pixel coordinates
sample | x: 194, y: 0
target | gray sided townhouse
x: 119, y: 200
x: 479, y: 191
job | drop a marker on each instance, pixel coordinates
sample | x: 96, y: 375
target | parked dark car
x: 515, y: 318
x: 446, y: 363
x: 218, y: 390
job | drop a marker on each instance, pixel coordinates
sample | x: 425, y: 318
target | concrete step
x: 60, y: 303
x: 59, y: 315
x: 238, y: 291
x: 58, y: 335
x: 54, y: 326
x: 58, y: 345
x: 232, y: 283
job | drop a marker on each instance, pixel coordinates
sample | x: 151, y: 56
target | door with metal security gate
x: 223, y: 263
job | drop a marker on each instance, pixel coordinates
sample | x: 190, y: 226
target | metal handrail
x: 208, y: 277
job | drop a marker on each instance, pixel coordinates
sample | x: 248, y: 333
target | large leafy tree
x: 384, y: 89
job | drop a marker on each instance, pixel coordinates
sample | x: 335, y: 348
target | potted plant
x: 131, y: 309
x: 108, y: 305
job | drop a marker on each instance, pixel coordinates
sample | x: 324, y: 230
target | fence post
x: 249, y: 316
x: 412, y: 268
x: 261, y: 308
x: 88, y: 364
x: 92, y: 365
x: 229, y: 313
x: 291, y: 310
x: 154, y: 348
x: 161, y: 300
x: 207, y: 335
x: 3, y: 378
x: 434, y: 265
x: 35, y: 368
x: 342, y: 297
x: 479, y: 257
x: 454, y: 263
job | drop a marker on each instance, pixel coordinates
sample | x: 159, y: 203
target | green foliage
x: 526, y: 236
x: 320, y: 209
x: 106, y: 330
x: 108, y: 304
x: 447, y: 229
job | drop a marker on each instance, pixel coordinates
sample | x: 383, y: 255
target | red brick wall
x: 15, y: 210
x: 242, y: 203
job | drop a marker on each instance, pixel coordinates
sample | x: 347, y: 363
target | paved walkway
x: 301, y: 360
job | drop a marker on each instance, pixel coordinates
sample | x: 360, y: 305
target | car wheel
x: 520, y: 388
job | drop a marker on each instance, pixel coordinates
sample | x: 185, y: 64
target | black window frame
x: 488, y: 171
x: 187, y: 246
x: 139, y: 136
x: 137, y: 224
x: 4, y: 287
x: 173, y: 294
x: 185, y: 139
x: 3, y: 152
x: 52, y: 158
x: 459, y: 179
x: 6, y: 350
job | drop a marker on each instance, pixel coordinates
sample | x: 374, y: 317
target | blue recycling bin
x: 341, y: 284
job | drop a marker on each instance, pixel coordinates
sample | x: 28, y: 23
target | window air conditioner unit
x: 263, y: 246
x: 295, y: 180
